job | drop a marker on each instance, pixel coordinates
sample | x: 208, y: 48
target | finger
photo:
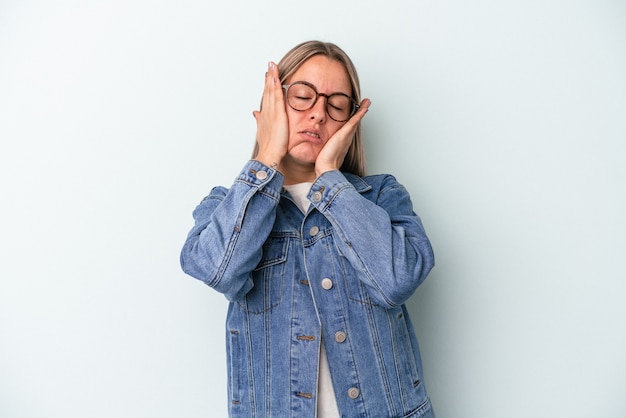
x: 352, y: 123
x: 273, y: 82
x: 273, y: 72
x: 272, y: 90
x: 266, y: 89
x: 363, y: 109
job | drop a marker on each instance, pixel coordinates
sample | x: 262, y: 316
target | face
x: 309, y: 130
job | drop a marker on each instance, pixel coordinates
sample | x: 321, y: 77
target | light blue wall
x: 505, y: 120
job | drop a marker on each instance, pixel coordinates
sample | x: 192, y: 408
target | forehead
x: 326, y: 74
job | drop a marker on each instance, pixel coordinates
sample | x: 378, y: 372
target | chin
x: 304, y: 156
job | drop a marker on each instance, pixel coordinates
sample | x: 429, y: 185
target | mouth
x: 312, y: 134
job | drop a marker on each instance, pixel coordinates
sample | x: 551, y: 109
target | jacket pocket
x: 406, y: 360
x: 234, y: 367
x: 355, y: 289
x: 268, y: 278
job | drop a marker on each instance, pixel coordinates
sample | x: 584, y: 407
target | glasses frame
x: 355, y: 104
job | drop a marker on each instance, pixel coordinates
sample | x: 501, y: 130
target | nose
x: 318, y: 111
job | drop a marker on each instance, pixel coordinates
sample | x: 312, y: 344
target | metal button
x: 353, y: 393
x: 317, y: 196
x: 340, y: 336
x: 327, y: 284
x: 313, y: 231
x: 261, y: 174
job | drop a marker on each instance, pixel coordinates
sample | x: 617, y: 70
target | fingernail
x: 270, y: 65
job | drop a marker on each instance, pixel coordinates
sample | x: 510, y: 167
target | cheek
x: 293, y: 119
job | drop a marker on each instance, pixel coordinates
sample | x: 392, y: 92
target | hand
x: 332, y: 155
x: 272, y: 126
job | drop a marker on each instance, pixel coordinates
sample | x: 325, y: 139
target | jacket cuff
x: 326, y: 187
x: 256, y: 174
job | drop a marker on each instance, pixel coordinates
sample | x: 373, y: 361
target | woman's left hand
x: 334, y: 151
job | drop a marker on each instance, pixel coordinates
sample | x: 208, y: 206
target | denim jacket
x: 341, y: 273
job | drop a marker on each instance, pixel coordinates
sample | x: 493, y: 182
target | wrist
x: 322, y: 170
x: 270, y: 162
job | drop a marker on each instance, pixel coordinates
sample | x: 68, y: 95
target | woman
x: 316, y: 259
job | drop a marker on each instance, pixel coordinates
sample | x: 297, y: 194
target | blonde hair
x: 354, y: 162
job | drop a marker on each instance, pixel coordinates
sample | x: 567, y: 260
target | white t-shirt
x: 326, y: 402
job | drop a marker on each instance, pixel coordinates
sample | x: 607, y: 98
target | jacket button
x: 317, y: 196
x: 340, y: 336
x: 353, y: 393
x: 313, y: 231
x: 261, y: 174
x: 327, y: 284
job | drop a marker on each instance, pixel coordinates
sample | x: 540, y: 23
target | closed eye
x: 335, y: 107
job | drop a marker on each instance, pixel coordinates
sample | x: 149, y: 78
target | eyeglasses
x: 302, y: 96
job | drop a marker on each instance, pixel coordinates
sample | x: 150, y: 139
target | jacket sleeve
x: 385, y: 243
x: 231, y: 225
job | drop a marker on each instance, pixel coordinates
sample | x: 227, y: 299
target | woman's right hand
x: 272, y: 125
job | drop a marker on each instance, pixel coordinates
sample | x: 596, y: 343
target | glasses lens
x: 301, y: 96
x: 340, y: 107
